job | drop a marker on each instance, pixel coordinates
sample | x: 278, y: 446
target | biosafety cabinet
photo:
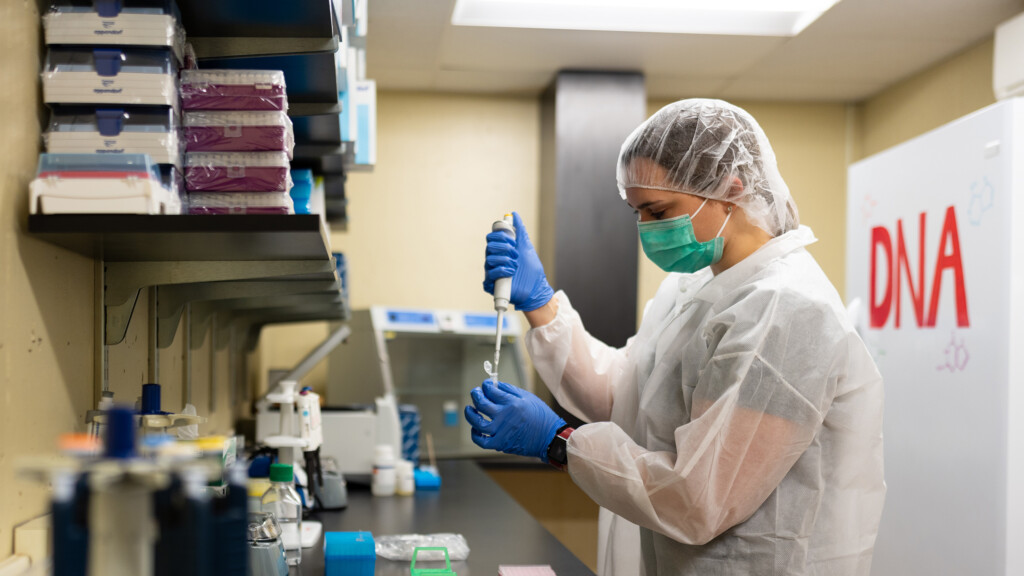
x: 431, y: 359
x: 935, y: 280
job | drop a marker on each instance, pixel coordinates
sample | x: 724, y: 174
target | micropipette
x: 502, y: 292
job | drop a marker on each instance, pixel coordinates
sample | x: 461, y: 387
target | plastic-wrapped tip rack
x: 240, y: 203
x: 238, y: 172
x: 115, y: 23
x: 101, y: 184
x: 110, y: 75
x: 233, y: 90
x: 238, y: 131
x: 128, y: 129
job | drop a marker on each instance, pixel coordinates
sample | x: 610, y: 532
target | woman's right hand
x: 517, y: 258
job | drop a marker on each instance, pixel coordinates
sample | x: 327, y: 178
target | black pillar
x: 589, y: 240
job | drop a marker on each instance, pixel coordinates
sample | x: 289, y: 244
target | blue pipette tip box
x: 427, y: 478
x: 349, y: 554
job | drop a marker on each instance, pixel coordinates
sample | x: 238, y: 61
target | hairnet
x: 697, y: 146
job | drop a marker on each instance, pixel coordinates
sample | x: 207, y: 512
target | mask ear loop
x: 727, y: 216
x: 699, y: 209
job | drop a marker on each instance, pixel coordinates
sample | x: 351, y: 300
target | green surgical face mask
x: 672, y: 245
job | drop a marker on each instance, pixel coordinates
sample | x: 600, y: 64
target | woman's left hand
x: 517, y: 422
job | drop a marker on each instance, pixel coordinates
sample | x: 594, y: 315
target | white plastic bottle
x: 406, y: 483
x: 384, y: 476
x: 282, y: 499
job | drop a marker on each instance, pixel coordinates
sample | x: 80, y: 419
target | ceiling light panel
x: 724, y: 17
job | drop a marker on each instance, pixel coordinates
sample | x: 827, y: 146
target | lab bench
x: 497, y: 529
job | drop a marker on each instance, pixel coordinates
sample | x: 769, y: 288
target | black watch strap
x: 557, y: 453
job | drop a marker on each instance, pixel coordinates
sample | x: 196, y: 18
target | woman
x: 741, y: 428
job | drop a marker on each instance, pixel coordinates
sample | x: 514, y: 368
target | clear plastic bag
x: 400, y: 547
x: 190, y: 432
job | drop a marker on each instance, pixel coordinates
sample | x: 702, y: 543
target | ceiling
x: 853, y: 51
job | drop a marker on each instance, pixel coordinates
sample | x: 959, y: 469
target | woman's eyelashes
x: 656, y: 215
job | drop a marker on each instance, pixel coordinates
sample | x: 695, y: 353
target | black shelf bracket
x: 173, y: 299
x: 124, y: 280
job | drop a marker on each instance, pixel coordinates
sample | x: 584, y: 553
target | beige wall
x: 810, y: 142
x: 447, y: 167
x: 927, y: 100
x: 45, y: 292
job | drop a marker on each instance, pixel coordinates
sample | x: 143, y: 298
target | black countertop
x: 498, y: 530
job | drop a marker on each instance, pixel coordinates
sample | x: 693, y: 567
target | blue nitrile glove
x: 518, y: 259
x: 520, y: 423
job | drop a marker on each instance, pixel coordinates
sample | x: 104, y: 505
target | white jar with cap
x: 406, y: 478
x: 384, y: 475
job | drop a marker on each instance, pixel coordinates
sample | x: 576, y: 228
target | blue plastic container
x: 427, y: 479
x: 349, y: 554
x: 302, y: 189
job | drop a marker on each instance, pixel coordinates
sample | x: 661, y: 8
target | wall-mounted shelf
x: 324, y: 160
x: 226, y: 28
x: 336, y: 203
x: 135, y: 238
x: 236, y: 273
x: 205, y: 311
x: 196, y: 258
x: 172, y: 300
x: 237, y: 47
x: 324, y: 129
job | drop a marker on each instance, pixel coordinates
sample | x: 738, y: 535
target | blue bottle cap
x: 151, y: 399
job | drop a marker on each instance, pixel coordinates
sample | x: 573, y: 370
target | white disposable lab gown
x: 741, y: 428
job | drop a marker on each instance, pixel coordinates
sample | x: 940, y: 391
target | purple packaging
x: 237, y: 172
x: 233, y: 90
x: 245, y: 131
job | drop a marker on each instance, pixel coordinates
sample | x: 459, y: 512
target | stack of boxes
x: 238, y: 141
x: 110, y: 81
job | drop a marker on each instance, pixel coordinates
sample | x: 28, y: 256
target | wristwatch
x: 557, y: 455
